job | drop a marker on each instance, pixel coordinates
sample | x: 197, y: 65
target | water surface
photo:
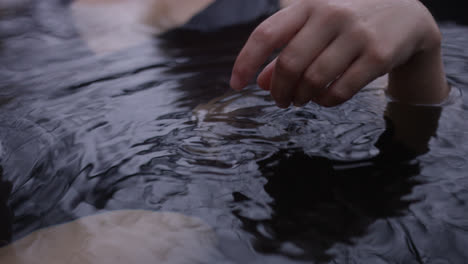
x: 156, y: 127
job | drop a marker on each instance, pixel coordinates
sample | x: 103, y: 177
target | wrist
x: 421, y: 79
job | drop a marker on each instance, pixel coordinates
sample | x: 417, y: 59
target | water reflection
x: 6, y: 216
x: 318, y: 202
x: 154, y: 127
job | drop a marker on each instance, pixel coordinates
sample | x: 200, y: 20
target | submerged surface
x: 156, y: 127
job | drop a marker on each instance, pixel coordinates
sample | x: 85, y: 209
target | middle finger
x: 327, y: 67
x: 305, y: 46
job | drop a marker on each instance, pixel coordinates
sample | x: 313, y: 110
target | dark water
x: 156, y: 127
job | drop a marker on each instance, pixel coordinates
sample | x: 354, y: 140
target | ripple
x: 155, y: 127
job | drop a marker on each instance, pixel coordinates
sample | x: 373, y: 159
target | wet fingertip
x: 263, y: 86
x: 298, y: 104
x: 235, y: 83
x: 325, y: 102
x: 319, y: 100
x: 283, y: 105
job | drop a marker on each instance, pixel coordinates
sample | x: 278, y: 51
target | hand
x: 333, y: 48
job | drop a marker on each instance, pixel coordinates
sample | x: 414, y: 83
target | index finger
x: 271, y: 34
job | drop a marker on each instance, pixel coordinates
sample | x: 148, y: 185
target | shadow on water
x: 319, y: 202
x: 6, y: 215
x: 92, y: 133
x: 201, y: 50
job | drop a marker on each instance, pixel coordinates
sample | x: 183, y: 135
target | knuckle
x: 263, y: 33
x: 287, y: 65
x: 379, y: 56
x: 314, y: 79
x: 361, y: 33
x: 338, y: 12
x: 306, y: 3
x: 435, y: 37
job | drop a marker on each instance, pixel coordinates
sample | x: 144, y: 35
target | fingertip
x: 262, y: 86
x: 283, y: 105
x: 299, y: 103
x: 263, y: 81
x: 236, y: 83
x: 326, y: 103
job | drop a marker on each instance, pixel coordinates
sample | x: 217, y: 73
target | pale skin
x: 333, y: 48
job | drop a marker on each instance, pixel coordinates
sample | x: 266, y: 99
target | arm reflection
x: 6, y: 216
x: 318, y: 202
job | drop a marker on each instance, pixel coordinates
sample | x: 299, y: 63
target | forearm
x: 421, y: 80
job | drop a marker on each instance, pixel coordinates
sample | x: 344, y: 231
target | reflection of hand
x: 333, y: 48
x: 5, y: 212
x: 412, y: 126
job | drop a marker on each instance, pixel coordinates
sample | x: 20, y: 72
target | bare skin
x: 333, y: 48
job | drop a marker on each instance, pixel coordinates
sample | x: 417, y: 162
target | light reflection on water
x: 156, y: 127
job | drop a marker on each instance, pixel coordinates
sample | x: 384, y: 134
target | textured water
x: 156, y: 127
